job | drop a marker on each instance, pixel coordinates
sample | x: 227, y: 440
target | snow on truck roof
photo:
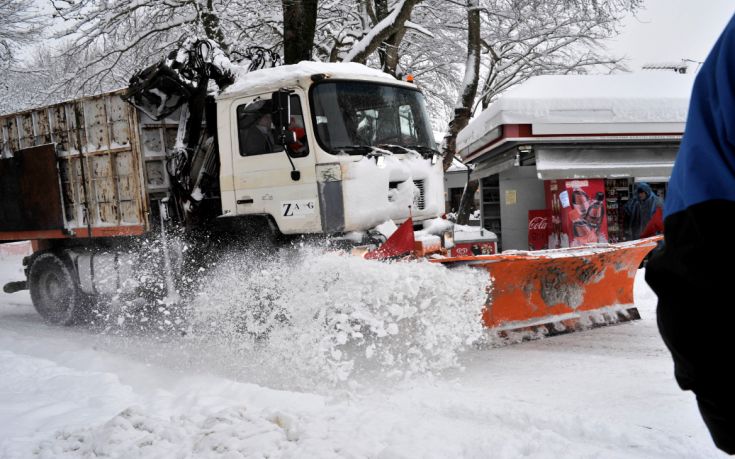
x: 270, y: 79
x: 647, y: 102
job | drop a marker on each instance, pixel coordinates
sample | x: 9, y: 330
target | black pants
x: 693, y: 274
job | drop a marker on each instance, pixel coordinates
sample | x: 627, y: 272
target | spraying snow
x: 329, y: 317
x: 305, y: 314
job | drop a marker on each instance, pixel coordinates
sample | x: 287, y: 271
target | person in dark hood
x: 692, y: 272
x: 639, y: 209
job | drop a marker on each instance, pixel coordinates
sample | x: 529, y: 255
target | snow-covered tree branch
x: 19, y: 24
x: 100, y: 44
x: 387, y: 26
x: 525, y: 38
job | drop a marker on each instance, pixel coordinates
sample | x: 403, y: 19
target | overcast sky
x: 671, y: 30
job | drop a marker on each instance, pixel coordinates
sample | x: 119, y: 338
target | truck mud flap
x: 558, y: 291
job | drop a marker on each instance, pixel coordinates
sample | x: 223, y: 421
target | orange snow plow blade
x: 562, y: 290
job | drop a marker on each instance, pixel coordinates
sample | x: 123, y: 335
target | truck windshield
x: 352, y: 117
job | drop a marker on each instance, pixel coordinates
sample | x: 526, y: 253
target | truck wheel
x: 54, y: 290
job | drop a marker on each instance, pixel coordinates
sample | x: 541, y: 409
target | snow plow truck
x: 319, y: 149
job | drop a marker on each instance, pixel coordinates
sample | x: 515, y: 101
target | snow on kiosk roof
x: 584, y: 105
x: 271, y: 79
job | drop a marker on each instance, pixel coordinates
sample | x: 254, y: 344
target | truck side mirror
x: 281, y: 116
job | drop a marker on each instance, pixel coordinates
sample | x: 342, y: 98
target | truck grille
x: 418, y: 199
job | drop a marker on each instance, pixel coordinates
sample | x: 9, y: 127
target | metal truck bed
x: 48, y: 189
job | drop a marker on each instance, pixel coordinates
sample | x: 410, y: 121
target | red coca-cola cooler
x: 578, y: 212
x: 473, y: 240
x: 538, y: 229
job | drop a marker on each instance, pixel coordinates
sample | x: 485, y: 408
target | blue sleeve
x: 705, y: 165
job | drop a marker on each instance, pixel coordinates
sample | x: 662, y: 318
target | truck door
x: 262, y: 171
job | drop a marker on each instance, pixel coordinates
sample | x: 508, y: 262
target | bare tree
x: 24, y: 86
x: 388, y: 51
x: 433, y: 50
x: 526, y: 38
x: 254, y: 23
x: 105, y: 42
x: 19, y: 26
x: 339, y: 24
x: 109, y: 33
x: 389, y: 25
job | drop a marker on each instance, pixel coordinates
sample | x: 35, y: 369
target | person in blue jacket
x: 692, y: 273
x: 639, y: 209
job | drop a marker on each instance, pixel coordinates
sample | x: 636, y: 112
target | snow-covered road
x: 81, y: 392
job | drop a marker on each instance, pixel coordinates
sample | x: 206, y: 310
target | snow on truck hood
x: 286, y: 75
x: 369, y: 199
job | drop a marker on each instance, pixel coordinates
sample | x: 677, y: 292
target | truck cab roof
x: 272, y: 79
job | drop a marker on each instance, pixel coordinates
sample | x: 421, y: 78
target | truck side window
x: 255, y: 129
x: 256, y: 134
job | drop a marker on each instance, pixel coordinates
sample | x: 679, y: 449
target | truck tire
x: 54, y: 289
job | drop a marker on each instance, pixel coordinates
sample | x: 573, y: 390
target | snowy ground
x: 81, y: 392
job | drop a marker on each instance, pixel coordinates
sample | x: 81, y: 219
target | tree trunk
x: 460, y: 121
x: 381, y: 10
x: 299, y: 26
x: 391, y: 56
x: 468, y: 198
x: 388, y: 50
x: 463, y: 112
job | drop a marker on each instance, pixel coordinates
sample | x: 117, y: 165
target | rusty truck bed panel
x: 99, y: 162
x: 32, y: 207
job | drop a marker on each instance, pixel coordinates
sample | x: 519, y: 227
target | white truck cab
x: 362, y: 150
x: 310, y: 148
